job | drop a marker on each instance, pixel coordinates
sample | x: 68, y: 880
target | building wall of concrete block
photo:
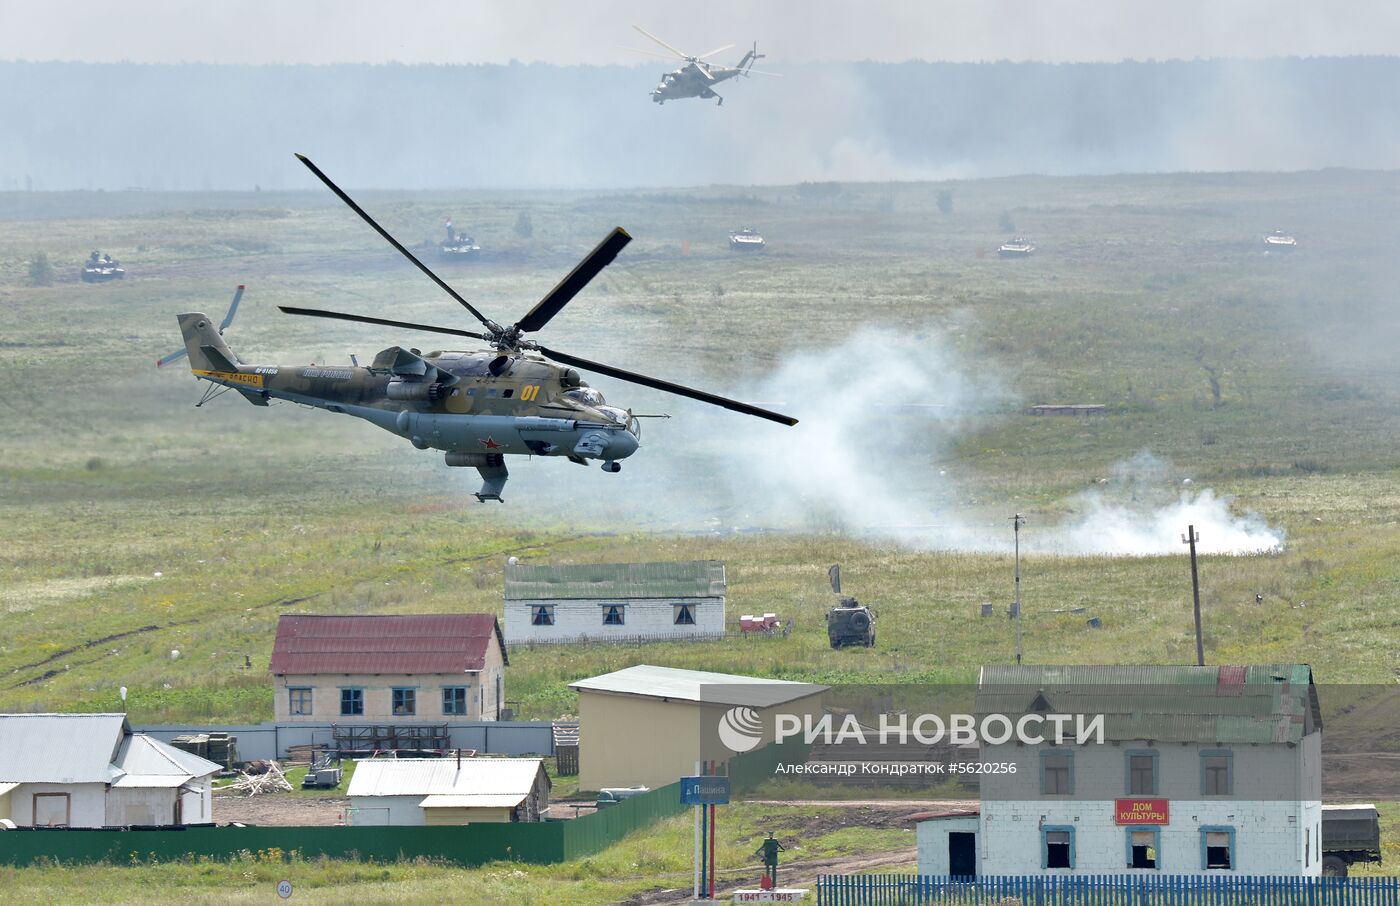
x: 582, y: 619
x: 87, y: 803
x: 932, y: 840
x: 1273, y: 812
x: 484, y: 691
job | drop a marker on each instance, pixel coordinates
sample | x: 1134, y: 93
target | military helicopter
x: 696, y: 78
x: 517, y: 398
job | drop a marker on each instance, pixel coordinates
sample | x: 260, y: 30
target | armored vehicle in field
x: 850, y: 623
x: 457, y: 246
x: 1279, y: 241
x: 746, y: 240
x: 1016, y: 248
x: 100, y: 268
x: 1351, y: 834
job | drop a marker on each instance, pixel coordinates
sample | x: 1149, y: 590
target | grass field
x: 132, y: 524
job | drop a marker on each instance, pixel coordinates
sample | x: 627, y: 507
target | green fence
x: 471, y: 844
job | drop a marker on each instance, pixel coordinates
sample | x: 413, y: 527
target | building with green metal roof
x: 547, y: 604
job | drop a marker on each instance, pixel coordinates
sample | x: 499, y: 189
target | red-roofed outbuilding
x: 409, y: 668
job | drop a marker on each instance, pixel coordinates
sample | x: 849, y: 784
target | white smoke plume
x: 871, y: 457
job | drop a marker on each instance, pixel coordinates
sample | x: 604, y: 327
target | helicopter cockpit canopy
x: 587, y: 395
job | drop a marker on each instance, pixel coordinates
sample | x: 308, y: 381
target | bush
x: 1006, y: 223
x: 524, y: 228
x: 40, y: 270
x: 945, y: 201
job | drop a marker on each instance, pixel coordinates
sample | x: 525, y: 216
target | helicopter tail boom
x: 204, y: 345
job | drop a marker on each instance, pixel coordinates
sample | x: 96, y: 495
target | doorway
x: 962, y: 854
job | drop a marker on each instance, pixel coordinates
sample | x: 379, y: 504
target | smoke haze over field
x: 862, y: 462
x: 234, y: 127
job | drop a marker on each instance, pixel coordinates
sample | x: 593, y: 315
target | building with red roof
x: 405, y: 668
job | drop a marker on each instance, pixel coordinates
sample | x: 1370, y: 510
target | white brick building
x: 602, y: 601
x: 1200, y: 770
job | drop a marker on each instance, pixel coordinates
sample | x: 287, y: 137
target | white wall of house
x: 1273, y: 810
x: 141, y: 805
x: 578, y: 619
x: 932, y: 840
x: 87, y: 803
x: 395, y: 810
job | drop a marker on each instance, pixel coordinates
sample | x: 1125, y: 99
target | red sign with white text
x: 1142, y: 811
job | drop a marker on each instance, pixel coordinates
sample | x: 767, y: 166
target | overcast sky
x: 595, y: 31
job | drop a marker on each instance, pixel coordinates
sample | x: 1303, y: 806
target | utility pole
x: 1016, y: 521
x: 1191, y: 538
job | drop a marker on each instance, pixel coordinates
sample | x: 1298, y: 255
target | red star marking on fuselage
x: 490, y: 444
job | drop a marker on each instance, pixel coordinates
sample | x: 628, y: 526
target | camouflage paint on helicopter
x: 696, y: 79
x: 517, y: 398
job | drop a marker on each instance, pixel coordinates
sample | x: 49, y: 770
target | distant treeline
x: 192, y: 127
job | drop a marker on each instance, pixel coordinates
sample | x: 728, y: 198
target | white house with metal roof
x: 90, y: 770
x: 1195, y: 770
x: 647, y: 726
x: 440, y: 791
x: 601, y: 601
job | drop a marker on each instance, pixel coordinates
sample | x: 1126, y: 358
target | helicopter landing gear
x: 612, y: 466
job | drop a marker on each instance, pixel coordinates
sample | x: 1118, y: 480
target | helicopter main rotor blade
x: 761, y: 72
x: 658, y: 384
x: 673, y: 50
x: 713, y: 52
x: 555, y: 300
x: 385, y: 322
x: 395, y: 243
x: 650, y: 53
x: 704, y: 70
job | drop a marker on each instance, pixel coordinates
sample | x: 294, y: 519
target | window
x: 508, y: 392
x: 685, y: 614
x: 1142, y: 847
x: 1217, y: 774
x: 51, y: 810
x: 1218, y: 848
x: 454, y: 699
x: 543, y: 615
x: 299, y: 700
x: 1056, y: 773
x: 613, y: 615
x: 352, y: 702
x: 405, y: 702
x: 1057, y: 847
x: 1142, y: 773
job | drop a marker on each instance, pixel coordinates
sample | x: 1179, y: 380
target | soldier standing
x: 769, y: 850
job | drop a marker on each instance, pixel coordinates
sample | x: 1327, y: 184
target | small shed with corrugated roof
x: 614, y: 601
x: 441, y: 791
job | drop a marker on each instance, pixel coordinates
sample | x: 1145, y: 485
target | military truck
x: 850, y: 623
x: 1351, y: 834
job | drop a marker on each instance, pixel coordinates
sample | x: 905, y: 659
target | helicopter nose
x: 621, y: 444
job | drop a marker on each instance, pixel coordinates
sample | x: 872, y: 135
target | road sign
x: 704, y: 791
x: 284, y: 889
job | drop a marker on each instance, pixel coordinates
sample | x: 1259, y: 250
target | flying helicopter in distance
x: 696, y: 79
x: 515, y: 398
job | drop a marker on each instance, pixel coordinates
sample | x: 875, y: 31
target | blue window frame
x: 1057, y: 846
x: 352, y: 701
x: 1218, y: 848
x: 1057, y: 771
x: 299, y: 700
x: 1217, y: 772
x: 404, y: 701
x: 1144, y: 846
x: 454, y: 700
x: 1140, y: 767
x: 614, y: 614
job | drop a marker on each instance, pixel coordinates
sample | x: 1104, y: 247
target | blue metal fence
x: 1105, y: 890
